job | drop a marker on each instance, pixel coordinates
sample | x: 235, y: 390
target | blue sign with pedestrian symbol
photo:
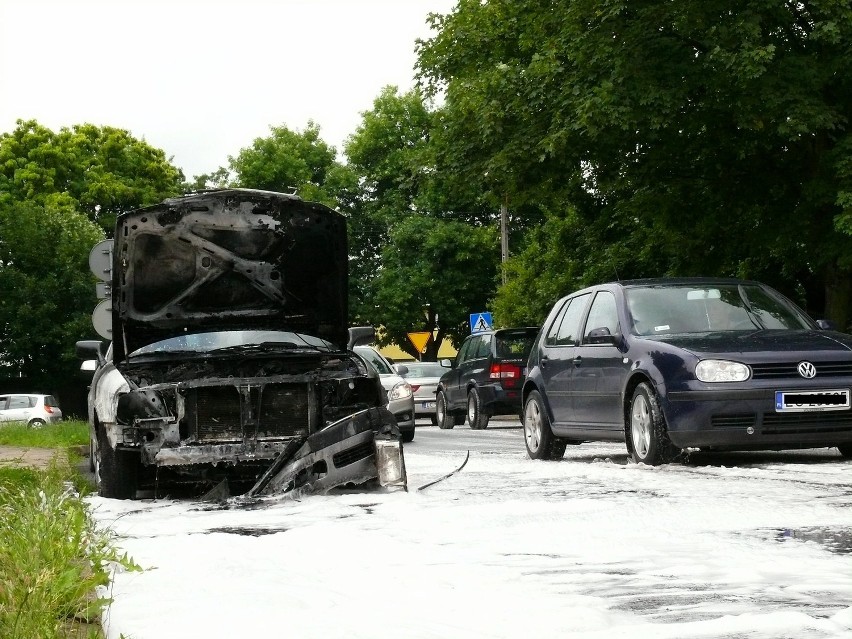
x: 480, y: 322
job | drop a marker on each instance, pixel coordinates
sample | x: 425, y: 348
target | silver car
x: 423, y: 377
x: 400, y: 397
x: 33, y: 410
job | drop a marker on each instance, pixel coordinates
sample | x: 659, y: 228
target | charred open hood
x: 235, y: 259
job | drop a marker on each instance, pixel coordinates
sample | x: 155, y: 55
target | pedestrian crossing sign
x: 480, y: 322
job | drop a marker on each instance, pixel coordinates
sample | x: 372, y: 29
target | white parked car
x: 400, y: 395
x: 424, y: 377
x: 33, y: 410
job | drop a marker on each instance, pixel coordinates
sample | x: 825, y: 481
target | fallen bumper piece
x: 362, y: 447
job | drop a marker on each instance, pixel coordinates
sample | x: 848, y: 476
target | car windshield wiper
x: 265, y: 347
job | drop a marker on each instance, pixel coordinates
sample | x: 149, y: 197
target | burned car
x: 230, y: 350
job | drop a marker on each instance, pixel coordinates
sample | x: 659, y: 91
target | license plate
x: 428, y: 405
x: 804, y: 401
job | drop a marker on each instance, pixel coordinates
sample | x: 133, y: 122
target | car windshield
x: 375, y: 359
x: 666, y: 309
x: 235, y: 340
x: 425, y: 369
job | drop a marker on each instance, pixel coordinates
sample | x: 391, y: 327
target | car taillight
x: 509, y: 375
x: 48, y: 409
x: 414, y: 388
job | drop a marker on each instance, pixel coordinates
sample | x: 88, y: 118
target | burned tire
x: 407, y: 436
x: 538, y: 437
x: 443, y: 419
x: 646, y: 434
x: 476, y: 417
x: 115, y: 470
x: 845, y: 450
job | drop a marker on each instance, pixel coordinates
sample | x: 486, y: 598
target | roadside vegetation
x: 62, y: 435
x: 52, y: 556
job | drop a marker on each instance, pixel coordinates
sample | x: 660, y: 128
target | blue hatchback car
x: 672, y: 364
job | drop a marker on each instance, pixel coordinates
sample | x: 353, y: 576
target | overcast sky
x: 202, y: 79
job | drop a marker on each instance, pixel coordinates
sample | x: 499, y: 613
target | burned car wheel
x: 115, y: 471
x: 647, y: 438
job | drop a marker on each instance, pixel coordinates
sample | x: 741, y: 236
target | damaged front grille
x: 235, y: 413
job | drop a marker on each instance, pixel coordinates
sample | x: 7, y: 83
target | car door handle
x: 543, y: 361
x: 577, y: 360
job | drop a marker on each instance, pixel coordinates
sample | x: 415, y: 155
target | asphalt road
x: 754, y: 544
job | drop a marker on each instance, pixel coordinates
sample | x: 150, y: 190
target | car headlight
x: 400, y: 391
x: 719, y: 370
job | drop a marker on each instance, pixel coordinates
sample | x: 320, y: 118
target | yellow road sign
x: 420, y: 340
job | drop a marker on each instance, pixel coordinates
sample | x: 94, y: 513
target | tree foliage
x: 48, y: 292
x: 693, y: 137
x: 434, y: 273
x: 424, y: 251
x: 104, y: 170
x: 286, y: 161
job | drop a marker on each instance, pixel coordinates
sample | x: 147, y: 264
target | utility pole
x: 504, y: 233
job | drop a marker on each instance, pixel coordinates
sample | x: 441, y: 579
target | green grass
x: 59, y: 435
x: 52, y: 554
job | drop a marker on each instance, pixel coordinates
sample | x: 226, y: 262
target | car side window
x: 603, y: 313
x: 483, y: 346
x: 569, y: 329
x: 550, y: 338
x: 19, y: 401
x: 464, y: 350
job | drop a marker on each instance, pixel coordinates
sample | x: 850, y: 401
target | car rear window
x: 514, y: 344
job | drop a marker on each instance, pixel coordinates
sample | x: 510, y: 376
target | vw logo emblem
x: 807, y: 370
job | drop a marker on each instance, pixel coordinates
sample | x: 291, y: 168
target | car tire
x: 93, y: 450
x: 476, y: 417
x: 845, y: 450
x: 443, y: 418
x: 407, y: 436
x: 116, y: 471
x: 36, y: 423
x: 538, y: 437
x: 646, y: 434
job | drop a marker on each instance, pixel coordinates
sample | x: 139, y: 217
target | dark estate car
x: 671, y: 364
x: 230, y: 347
x: 486, y: 378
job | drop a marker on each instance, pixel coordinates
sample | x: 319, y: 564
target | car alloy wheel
x: 442, y: 417
x: 539, y: 439
x: 647, y: 436
x: 640, y: 426
x: 532, y: 427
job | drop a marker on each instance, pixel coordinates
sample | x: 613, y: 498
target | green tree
x: 434, y: 274
x: 48, y: 292
x: 406, y: 219
x: 287, y: 161
x: 717, y: 133
x: 104, y: 170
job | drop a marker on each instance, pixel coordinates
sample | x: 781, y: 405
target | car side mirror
x: 601, y: 336
x: 361, y: 335
x: 91, y: 349
x: 446, y: 363
x: 826, y: 325
x: 401, y: 369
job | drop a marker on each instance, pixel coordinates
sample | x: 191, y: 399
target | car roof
x: 681, y: 281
